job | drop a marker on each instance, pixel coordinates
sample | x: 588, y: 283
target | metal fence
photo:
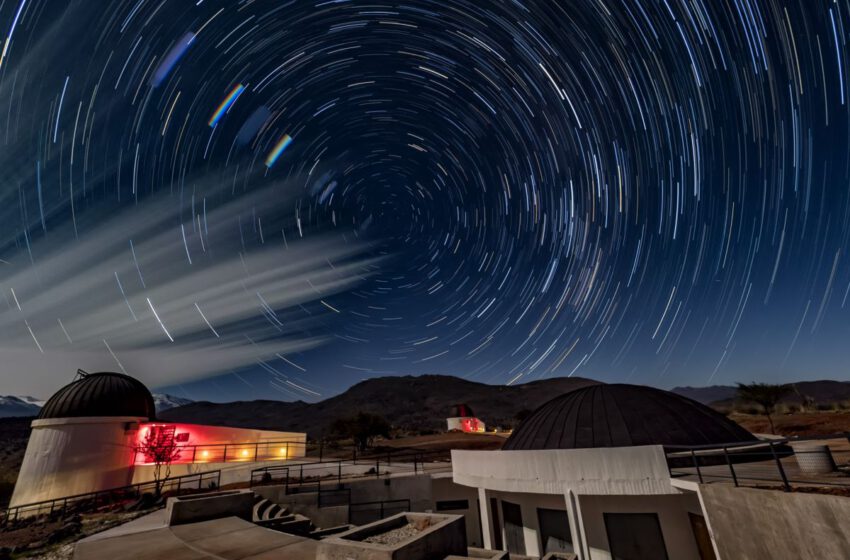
x: 783, y: 462
x: 93, y: 500
x: 362, y: 513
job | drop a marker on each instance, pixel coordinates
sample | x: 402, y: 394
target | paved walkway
x: 230, y: 538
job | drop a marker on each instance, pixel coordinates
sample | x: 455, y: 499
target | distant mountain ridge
x: 408, y: 402
x: 823, y: 391
x: 19, y: 406
x: 12, y: 406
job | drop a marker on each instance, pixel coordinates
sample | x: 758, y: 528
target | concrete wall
x: 444, y: 489
x: 750, y: 524
x: 618, y: 470
x: 528, y: 504
x: 68, y: 456
x: 672, y: 515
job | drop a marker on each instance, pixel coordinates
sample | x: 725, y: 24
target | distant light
x: 244, y: 452
x: 283, y: 451
x: 205, y: 453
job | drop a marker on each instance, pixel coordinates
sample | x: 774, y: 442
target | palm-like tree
x: 765, y: 394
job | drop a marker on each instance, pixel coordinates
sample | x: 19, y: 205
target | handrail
x: 242, y: 451
x: 258, y: 474
x: 761, y: 442
x: 381, y: 506
x: 766, y: 452
x: 14, y: 512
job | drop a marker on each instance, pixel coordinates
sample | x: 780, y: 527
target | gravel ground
x: 394, y: 536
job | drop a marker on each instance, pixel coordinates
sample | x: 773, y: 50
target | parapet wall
x: 748, y: 523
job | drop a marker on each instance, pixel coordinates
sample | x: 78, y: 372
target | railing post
x: 382, y: 510
x: 224, y: 459
x: 256, y: 450
x: 301, y: 474
x: 785, y: 484
x: 354, y: 455
x: 339, y: 473
x: 696, y: 464
x: 377, y: 468
x: 731, y: 468
x: 194, y: 452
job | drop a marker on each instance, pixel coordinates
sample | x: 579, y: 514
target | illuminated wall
x: 196, y: 443
x: 466, y: 424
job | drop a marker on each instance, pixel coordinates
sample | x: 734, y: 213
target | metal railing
x: 278, y: 450
x: 92, y: 500
x: 779, y: 462
x: 308, y: 474
x: 362, y: 513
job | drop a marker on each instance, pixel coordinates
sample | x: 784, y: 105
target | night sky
x: 245, y: 199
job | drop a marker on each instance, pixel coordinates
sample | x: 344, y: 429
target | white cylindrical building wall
x: 70, y: 456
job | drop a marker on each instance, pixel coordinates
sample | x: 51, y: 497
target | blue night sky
x: 234, y: 200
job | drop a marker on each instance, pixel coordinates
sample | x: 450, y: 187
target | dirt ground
x: 797, y: 424
x: 451, y: 440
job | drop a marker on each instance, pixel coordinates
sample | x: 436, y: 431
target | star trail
x: 643, y: 190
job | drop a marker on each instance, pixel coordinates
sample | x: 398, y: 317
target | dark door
x: 497, y: 525
x: 702, y: 536
x: 513, y: 528
x: 554, y: 530
x: 635, y: 536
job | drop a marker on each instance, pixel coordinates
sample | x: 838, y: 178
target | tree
x: 764, y: 394
x: 363, y: 428
x: 160, y: 448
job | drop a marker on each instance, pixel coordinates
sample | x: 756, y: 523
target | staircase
x: 273, y: 516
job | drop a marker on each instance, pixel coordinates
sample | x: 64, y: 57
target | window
x: 635, y: 536
x: 451, y: 505
x: 513, y: 528
x: 554, y: 530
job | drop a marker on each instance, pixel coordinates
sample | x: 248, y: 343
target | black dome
x: 461, y: 411
x: 621, y: 415
x: 100, y: 394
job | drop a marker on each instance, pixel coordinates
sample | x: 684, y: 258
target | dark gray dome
x: 620, y: 415
x: 461, y: 411
x: 100, y: 394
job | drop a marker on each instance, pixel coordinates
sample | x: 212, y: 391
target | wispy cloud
x: 167, y: 290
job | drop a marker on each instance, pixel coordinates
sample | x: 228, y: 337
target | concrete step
x: 265, y: 510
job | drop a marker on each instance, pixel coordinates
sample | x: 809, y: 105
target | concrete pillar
x: 577, y: 527
x: 486, y: 518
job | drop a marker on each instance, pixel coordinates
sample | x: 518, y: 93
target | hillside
x: 822, y: 392
x: 412, y: 403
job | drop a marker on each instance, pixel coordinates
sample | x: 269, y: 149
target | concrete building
x: 90, y: 436
x: 586, y: 473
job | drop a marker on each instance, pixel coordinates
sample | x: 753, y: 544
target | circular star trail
x: 654, y: 190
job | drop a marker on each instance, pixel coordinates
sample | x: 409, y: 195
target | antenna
x: 81, y: 374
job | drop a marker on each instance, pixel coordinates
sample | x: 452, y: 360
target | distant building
x: 88, y: 437
x: 586, y: 473
x: 463, y: 420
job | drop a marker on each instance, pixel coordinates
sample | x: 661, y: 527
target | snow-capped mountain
x: 164, y: 402
x: 12, y: 405
x: 19, y: 406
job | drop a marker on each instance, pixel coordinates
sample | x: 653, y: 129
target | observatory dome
x: 620, y: 415
x: 100, y: 394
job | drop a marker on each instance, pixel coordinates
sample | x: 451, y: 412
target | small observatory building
x: 84, y: 438
x: 462, y: 419
x: 90, y: 436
